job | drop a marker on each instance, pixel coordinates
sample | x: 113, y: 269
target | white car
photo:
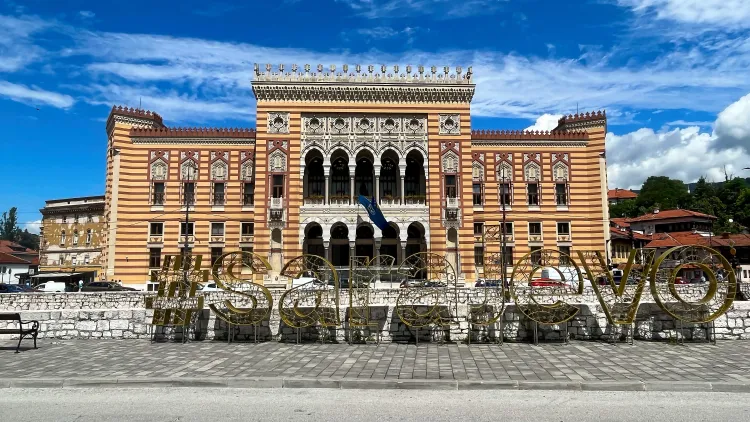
x: 210, y: 287
x: 51, y: 287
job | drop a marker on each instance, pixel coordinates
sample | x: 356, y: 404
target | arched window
x: 388, y: 179
x: 363, y: 177
x: 75, y: 238
x: 315, y: 176
x: 63, y: 238
x: 88, y: 236
x: 340, y: 178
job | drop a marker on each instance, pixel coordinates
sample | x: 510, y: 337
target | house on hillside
x: 669, y: 221
x: 615, y: 196
x: 623, y: 239
x: 19, y: 262
x: 724, y: 244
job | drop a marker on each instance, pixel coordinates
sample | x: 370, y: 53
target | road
x: 268, y: 405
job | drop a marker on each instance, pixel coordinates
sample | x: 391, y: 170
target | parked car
x: 51, y: 287
x: 680, y: 280
x: 487, y: 283
x: 210, y: 287
x: 106, y: 286
x: 14, y: 288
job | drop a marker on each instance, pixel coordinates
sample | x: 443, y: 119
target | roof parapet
x: 370, y: 75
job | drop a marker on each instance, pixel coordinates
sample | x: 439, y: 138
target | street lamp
x: 189, y: 175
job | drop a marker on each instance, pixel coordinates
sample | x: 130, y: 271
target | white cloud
x: 729, y: 14
x: 442, y: 9
x: 689, y: 123
x: 86, y: 14
x: 682, y: 153
x: 34, y: 95
x: 733, y: 126
x: 33, y: 226
x: 17, y: 49
x: 545, y: 122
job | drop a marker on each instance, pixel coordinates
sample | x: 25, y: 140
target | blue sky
x: 672, y: 74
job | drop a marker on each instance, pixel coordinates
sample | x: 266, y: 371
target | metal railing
x: 533, y: 199
x: 219, y: 198
x: 277, y: 203
x: 248, y: 199
x: 451, y: 202
x: 189, y: 198
x: 562, y: 199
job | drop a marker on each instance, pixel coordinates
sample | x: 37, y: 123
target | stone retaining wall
x: 123, y: 315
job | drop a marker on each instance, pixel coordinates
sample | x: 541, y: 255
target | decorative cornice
x: 134, y: 116
x: 65, y: 209
x: 529, y: 143
x: 197, y: 141
x: 197, y: 132
x: 410, y: 87
x: 383, y: 93
x: 582, y: 120
x: 306, y: 76
x: 513, y: 135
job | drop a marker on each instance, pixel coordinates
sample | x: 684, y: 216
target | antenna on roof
x: 576, y: 107
x: 140, y: 102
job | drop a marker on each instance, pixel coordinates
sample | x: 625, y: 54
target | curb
x: 371, y: 384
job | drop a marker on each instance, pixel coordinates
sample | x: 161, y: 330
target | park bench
x: 20, y: 330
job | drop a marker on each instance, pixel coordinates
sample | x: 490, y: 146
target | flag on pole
x: 376, y: 216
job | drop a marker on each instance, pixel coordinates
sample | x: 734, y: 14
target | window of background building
x: 561, y: 193
x: 63, y: 238
x: 563, y: 229
x: 248, y: 193
x: 75, y: 238
x: 156, y: 229
x: 218, y: 198
x: 62, y: 259
x: 533, y: 194
x: 88, y: 236
x: 478, y: 229
x: 189, y: 229
x: 73, y: 260
x: 90, y: 218
x: 450, y: 186
x: 476, y: 190
x: 536, y: 255
x: 278, y: 186
x: 215, y: 255
x: 86, y: 259
x: 478, y: 256
x: 535, y: 229
x: 75, y: 219
x: 217, y: 229
x: 247, y: 229
x: 65, y: 219
x: 505, y: 195
x: 154, y: 258
x: 158, y: 194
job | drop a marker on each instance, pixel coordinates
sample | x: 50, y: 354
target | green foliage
x: 29, y: 240
x: 729, y: 200
x: 9, y: 226
x: 663, y: 193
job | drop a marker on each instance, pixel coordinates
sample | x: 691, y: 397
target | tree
x: 9, y: 226
x: 663, y: 192
x: 626, y: 208
x: 29, y: 240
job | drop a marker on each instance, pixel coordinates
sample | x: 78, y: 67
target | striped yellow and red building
x: 323, y: 138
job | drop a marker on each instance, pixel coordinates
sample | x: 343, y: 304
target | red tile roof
x: 7, y: 246
x: 618, y: 193
x: 6, y: 258
x: 619, y: 222
x: 625, y: 234
x: 668, y: 214
x: 668, y: 240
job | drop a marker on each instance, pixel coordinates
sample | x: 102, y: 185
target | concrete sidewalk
x: 599, y: 366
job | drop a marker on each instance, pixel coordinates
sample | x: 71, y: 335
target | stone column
x: 351, y: 188
x: 377, y: 189
x: 376, y: 254
x: 327, y: 253
x: 403, y: 251
x: 351, y: 249
x: 327, y: 173
x: 402, y: 175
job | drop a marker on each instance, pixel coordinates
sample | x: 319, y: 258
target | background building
x: 615, y: 196
x: 19, y: 262
x: 324, y: 138
x: 71, y: 239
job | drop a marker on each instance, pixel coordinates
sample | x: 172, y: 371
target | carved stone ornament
x: 505, y: 173
x: 450, y: 162
x: 450, y: 124
x: 278, y: 122
x: 219, y: 170
x: 159, y: 170
x: 477, y: 171
x: 277, y: 162
x: 189, y: 170
x: 532, y: 172
x: 560, y: 172
x: 246, y: 172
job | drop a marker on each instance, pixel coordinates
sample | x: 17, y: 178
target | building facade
x: 72, y: 238
x: 324, y: 138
